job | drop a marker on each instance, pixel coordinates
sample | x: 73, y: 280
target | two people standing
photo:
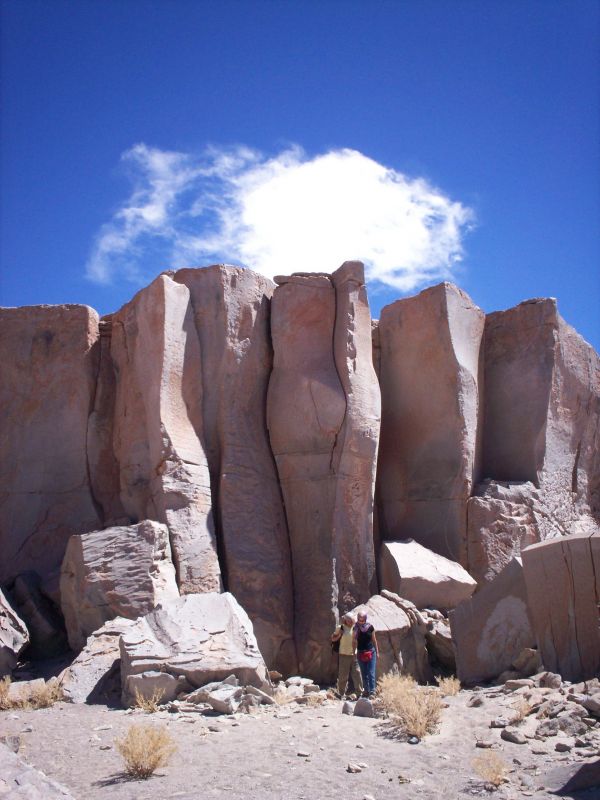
x: 357, y: 641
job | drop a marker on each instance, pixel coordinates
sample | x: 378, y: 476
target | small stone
x: 105, y: 747
x: 499, y: 722
x: 368, y: 797
x: 103, y: 728
x: 484, y: 743
x: 363, y: 708
x: 362, y: 765
x: 303, y: 753
x: 562, y: 747
x: 475, y: 701
x: 518, y: 683
x: 354, y: 768
x: 348, y: 708
x: 513, y: 735
x: 550, y: 680
x: 413, y: 740
x: 360, y: 746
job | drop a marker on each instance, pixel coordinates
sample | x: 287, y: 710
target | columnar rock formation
x: 323, y: 417
x: 239, y: 422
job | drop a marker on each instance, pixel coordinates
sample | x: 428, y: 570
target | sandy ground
x: 264, y: 755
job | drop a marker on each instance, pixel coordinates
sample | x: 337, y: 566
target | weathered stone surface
x: 429, y: 455
x: 501, y: 521
x: 542, y: 405
x: 19, y: 781
x: 48, y: 381
x: 199, y: 637
x: 47, y: 636
x: 231, y: 313
x: 121, y: 571
x: 94, y: 676
x: 563, y: 590
x: 322, y: 415
x: 14, y: 636
x: 400, y: 632
x: 492, y: 627
x: 425, y: 578
x: 438, y: 637
x: 158, y: 427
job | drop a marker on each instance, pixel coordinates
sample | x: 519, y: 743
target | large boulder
x: 502, y: 519
x: 400, y: 632
x: 14, y: 636
x: 323, y: 417
x: 422, y: 576
x: 158, y: 431
x: 563, y: 590
x: 231, y: 314
x: 542, y: 411
x: 192, y: 640
x: 492, y: 628
x: 49, y: 366
x: 429, y: 456
x: 94, y: 676
x: 121, y: 571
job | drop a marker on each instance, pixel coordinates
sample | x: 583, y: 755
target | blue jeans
x: 368, y: 670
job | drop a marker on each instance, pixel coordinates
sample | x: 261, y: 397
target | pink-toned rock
x: 563, y: 590
x: 231, y: 313
x: 491, y: 628
x: 322, y: 415
x: 425, y: 578
x: 121, y: 571
x: 158, y: 427
x: 501, y: 521
x: 14, y: 636
x: 542, y: 407
x: 430, y: 375
x: 49, y: 368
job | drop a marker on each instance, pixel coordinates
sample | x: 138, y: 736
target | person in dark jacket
x: 367, y: 651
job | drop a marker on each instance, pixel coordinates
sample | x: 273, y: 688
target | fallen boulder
x: 563, y: 590
x: 423, y: 577
x: 14, y: 636
x: 196, y: 638
x: 19, y: 780
x: 491, y: 628
x: 438, y: 637
x: 117, y: 572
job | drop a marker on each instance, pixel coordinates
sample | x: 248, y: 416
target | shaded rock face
x: 492, y: 628
x: 196, y: 638
x: 14, y: 636
x: 563, y: 590
x: 43, y: 620
x: 323, y: 412
x: 429, y: 455
x: 422, y: 576
x: 121, y: 571
x: 49, y: 368
x: 542, y: 402
x: 158, y: 427
x: 231, y: 314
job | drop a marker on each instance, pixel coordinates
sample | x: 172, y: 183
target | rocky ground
x: 304, y: 752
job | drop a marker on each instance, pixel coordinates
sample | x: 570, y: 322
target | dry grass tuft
x: 144, y: 749
x: 521, y: 710
x: 449, y: 686
x: 413, y: 708
x: 42, y: 696
x: 314, y: 699
x: 148, y: 704
x: 4, y: 688
x: 491, y: 767
x: 282, y: 698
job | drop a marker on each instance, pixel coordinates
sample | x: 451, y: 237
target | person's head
x: 361, y: 616
x: 348, y: 620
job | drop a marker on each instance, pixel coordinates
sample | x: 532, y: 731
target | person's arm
x: 374, y: 638
x: 336, y: 635
x: 354, y: 640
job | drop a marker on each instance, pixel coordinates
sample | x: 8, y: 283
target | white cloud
x: 279, y: 215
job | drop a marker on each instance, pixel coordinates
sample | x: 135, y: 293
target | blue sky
x: 435, y: 140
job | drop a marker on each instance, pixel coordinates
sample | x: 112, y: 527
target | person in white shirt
x: 347, y: 657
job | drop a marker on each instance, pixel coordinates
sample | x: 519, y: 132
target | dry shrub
x: 281, y: 697
x: 4, y: 689
x: 491, y: 767
x: 413, y: 708
x: 449, y: 686
x: 521, y: 710
x: 148, y: 704
x: 144, y: 749
x: 42, y: 696
x: 314, y: 699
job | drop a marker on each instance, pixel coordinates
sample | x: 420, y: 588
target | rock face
x: 429, y: 456
x: 19, y: 780
x: 121, y: 571
x: 563, y: 590
x: 400, y: 632
x: 14, y: 636
x: 43, y: 620
x: 231, y: 314
x: 193, y: 640
x: 422, y: 576
x: 492, y: 628
x: 502, y: 519
x: 49, y: 368
x: 542, y: 401
x: 158, y: 427
x: 323, y: 417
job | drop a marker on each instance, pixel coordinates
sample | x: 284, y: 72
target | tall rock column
x: 49, y: 366
x: 429, y: 456
x: 231, y: 312
x: 158, y: 427
x: 323, y: 424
